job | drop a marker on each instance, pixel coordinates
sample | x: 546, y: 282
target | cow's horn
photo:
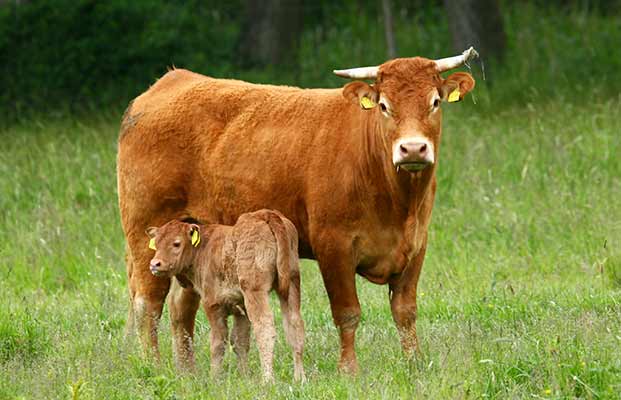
x: 448, y: 63
x: 358, y: 73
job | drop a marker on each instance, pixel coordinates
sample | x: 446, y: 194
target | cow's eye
x: 436, y: 103
x: 384, y: 109
x: 177, y: 243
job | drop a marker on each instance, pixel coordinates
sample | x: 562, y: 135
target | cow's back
x: 212, y: 149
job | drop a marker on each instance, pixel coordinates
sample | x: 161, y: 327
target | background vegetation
x: 82, y: 55
x: 521, y: 291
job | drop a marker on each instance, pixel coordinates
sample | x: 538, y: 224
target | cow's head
x: 406, y: 98
x: 174, y: 244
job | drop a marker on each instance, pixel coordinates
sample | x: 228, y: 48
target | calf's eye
x: 436, y: 103
x: 383, y: 107
x: 177, y: 244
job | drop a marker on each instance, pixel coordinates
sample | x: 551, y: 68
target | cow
x: 354, y: 168
x: 234, y: 268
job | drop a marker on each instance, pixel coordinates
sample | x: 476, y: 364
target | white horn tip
x: 470, y: 54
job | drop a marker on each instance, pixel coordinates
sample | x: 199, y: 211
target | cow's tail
x: 283, y: 252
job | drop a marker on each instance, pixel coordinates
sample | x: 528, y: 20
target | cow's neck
x: 408, y: 196
x: 420, y: 197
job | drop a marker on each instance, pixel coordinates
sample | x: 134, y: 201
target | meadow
x: 520, y: 295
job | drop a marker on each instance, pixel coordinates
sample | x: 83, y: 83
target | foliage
x: 95, y: 52
x: 81, y: 55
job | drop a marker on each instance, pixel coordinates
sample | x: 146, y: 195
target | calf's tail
x: 282, y: 252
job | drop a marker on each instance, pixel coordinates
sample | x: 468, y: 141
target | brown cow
x: 353, y: 168
x: 234, y: 269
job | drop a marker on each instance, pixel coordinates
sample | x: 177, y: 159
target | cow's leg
x: 183, y: 304
x: 218, y: 337
x: 294, y: 325
x: 339, y: 278
x: 260, y: 314
x: 148, y: 295
x: 240, y: 339
x: 130, y: 329
x: 402, y: 294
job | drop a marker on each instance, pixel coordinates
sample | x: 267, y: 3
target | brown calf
x: 234, y: 268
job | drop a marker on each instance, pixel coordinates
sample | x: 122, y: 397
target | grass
x: 520, y: 296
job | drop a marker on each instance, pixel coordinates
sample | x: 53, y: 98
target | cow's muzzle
x: 413, y: 154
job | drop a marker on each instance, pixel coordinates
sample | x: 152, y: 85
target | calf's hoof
x: 299, y: 377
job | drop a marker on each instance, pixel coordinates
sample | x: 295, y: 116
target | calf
x: 234, y: 268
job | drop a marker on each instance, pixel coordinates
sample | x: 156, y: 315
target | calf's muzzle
x: 154, y: 265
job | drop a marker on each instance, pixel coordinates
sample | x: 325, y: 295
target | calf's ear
x: 456, y: 86
x: 151, y: 232
x: 361, y: 93
x: 195, y: 235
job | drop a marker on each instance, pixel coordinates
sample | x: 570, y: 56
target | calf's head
x: 406, y: 98
x: 174, y: 244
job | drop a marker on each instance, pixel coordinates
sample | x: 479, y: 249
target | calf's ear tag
x: 152, y: 244
x: 367, y: 103
x: 196, y: 238
x: 454, y: 96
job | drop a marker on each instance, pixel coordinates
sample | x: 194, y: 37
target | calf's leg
x: 294, y: 325
x: 218, y: 337
x: 240, y: 339
x: 260, y: 314
x: 183, y: 304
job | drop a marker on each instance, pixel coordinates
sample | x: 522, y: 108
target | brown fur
x: 213, y: 149
x: 234, y: 269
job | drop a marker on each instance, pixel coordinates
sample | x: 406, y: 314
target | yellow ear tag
x: 152, y: 244
x: 454, y: 96
x: 196, y: 238
x: 367, y: 103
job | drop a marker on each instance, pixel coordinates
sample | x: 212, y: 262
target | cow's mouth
x: 413, y: 166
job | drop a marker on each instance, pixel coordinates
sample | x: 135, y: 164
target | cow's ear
x: 151, y: 232
x: 456, y: 86
x: 361, y: 93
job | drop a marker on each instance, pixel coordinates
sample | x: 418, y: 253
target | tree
x: 389, y: 29
x: 270, y: 33
x: 477, y: 23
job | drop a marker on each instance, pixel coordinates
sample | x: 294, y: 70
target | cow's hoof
x: 348, y: 368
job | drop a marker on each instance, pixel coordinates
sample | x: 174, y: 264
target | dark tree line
x: 271, y: 29
x: 87, y: 51
x: 270, y: 32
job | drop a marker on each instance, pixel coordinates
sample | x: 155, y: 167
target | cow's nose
x: 413, y: 154
x: 414, y: 151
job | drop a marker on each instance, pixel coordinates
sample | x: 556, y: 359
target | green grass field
x: 520, y: 295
